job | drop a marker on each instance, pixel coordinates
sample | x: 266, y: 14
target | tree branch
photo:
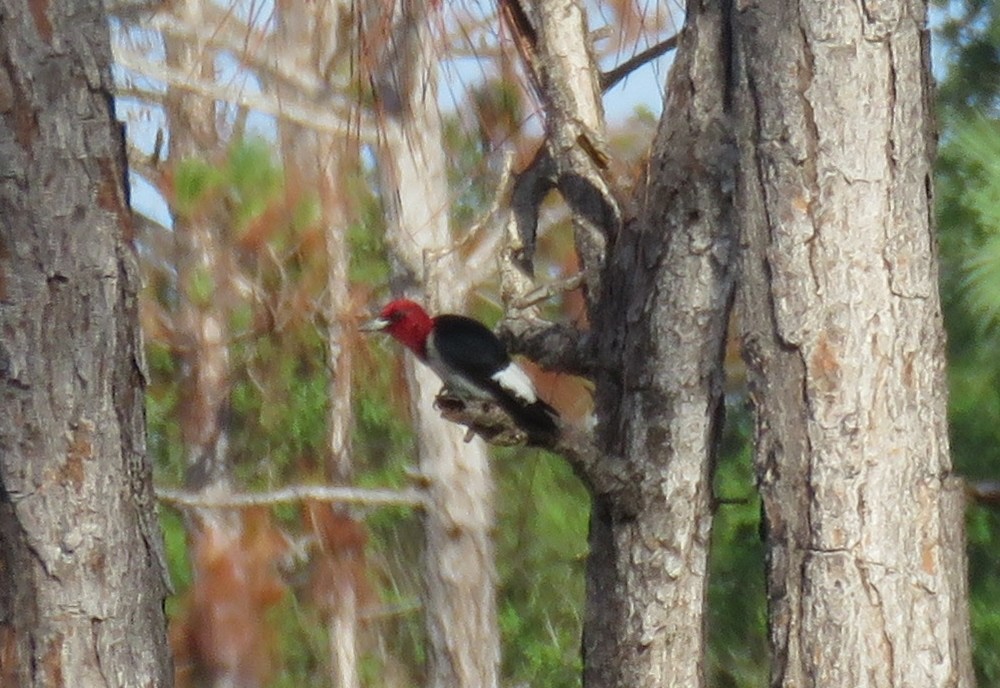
x: 411, y: 497
x: 985, y: 492
x: 575, y: 444
x: 317, y: 119
x: 527, y: 193
x: 558, y: 347
x: 611, y: 78
x: 251, y: 47
x: 574, y: 125
x: 554, y: 347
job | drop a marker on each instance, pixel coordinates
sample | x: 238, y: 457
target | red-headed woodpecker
x: 471, y: 362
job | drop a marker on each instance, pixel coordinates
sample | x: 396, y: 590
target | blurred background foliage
x: 968, y: 217
x: 277, y: 410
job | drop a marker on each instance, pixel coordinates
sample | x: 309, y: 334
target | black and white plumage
x: 471, y: 361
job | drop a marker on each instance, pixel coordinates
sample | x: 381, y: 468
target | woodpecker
x: 471, y: 361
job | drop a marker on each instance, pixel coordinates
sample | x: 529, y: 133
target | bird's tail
x: 538, y: 420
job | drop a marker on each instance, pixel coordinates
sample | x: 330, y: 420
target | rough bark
x: 661, y: 335
x: 844, y: 339
x: 659, y: 301
x: 459, y: 570
x: 81, y: 566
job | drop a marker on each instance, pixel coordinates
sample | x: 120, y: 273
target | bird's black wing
x: 469, y: 346
x: 473, y: 350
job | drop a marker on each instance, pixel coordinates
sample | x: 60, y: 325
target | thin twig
x: 610, y: 78
x: 251, y: 47
x: 317, y: 119
x: 985, y: 492
x: 486, y: 250
x: 294, y: 493
x: 474, y: 264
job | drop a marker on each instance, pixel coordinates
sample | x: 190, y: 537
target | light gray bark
x: 844, y: 338
x: 659, y: 303
x: 81, y: 565
x: 661, y: 338
x: 459, y: 569
x: 843, y: 331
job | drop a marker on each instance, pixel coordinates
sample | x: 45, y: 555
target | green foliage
x: 365, y: 237
x: 248, y: 178
x: 302, y: 640
x: 968, y: 212
x: 200, y: 286
x: 163, y: 428
x: 194, y: 180
x: 368, y: 264
x: 541, y: 542
x: 305, y: 214
x: 984, y: 567
x: 253, y: 179
x: 970, y: 34
x: 974, y: 150
x: 738, y: 650
x: 175, y: 542
x: 467, y: 175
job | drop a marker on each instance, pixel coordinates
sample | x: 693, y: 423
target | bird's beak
x: 374, y: 325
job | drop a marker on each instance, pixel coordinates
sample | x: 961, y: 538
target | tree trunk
x: 844, y: 339
x: 81, y: 564
x: 319, y: 162
x: 203, y: 323
x: 459, y: 570
x: 662, y: 327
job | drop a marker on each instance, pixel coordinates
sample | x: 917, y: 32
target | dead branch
x: 575, y: 444
x: 611, y: 77
x: 482, y: 418
x: 575, y: 150
x: 544, y: 292
x: 558, y: 347
x: 294, y: 493
x: 985, y: 492
x: 317, y: 119
x: 527, y: 193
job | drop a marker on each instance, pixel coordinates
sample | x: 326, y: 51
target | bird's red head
x: 407, y: 322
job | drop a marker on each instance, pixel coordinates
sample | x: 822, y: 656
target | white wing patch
x: 516, y: 381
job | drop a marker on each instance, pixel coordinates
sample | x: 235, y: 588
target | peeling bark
x: 555, y: 43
